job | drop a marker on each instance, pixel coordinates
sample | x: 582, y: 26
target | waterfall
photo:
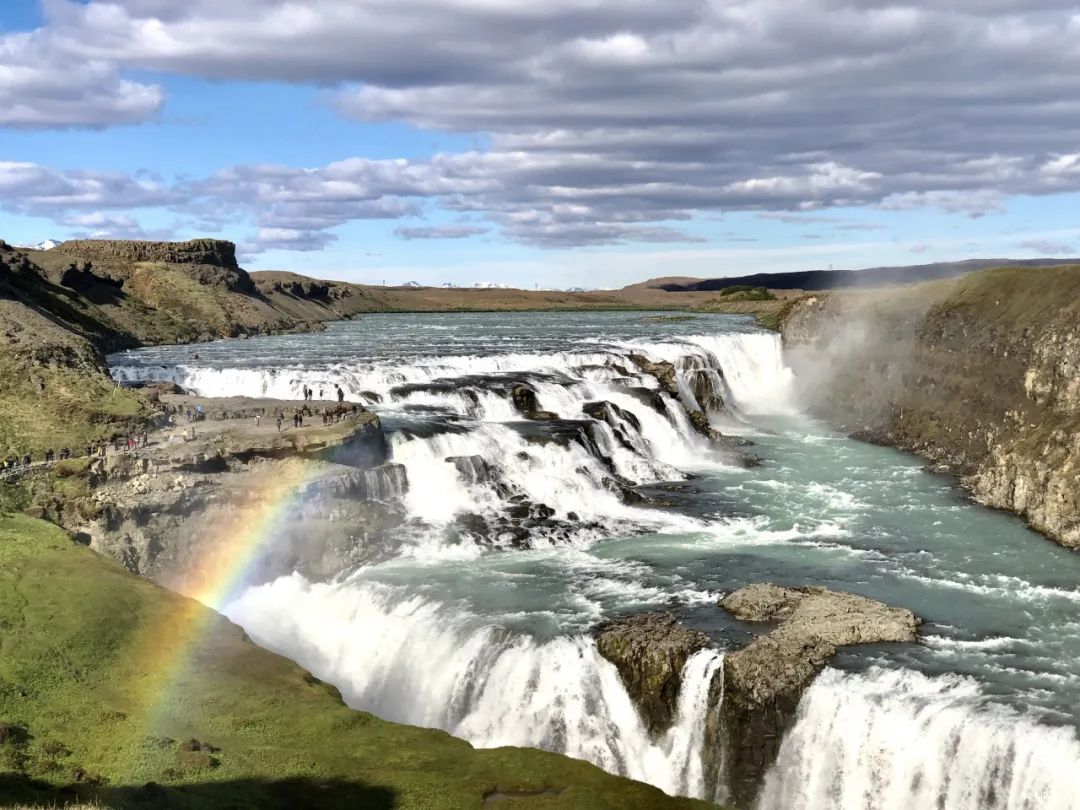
x: 491, y: 686
x: 751, y: 364
x: 896, y: 739
x: 494, y: 647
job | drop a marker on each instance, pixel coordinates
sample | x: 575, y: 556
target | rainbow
x: 170, y: 647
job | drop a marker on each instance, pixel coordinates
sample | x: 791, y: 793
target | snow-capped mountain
x: 48, y: 244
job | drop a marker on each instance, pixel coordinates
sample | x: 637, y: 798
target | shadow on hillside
x: 239, y: 794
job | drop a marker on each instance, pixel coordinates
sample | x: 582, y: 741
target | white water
x: 416, y: 661
x: 894, y: 740
x: 493, y: 648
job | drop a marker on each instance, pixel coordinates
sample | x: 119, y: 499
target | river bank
x: 977, y: 375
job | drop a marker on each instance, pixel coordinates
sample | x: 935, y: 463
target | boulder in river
x: 650, y: 651
x: 528, y: 404
x: 703, y: 386
x: 764, y: 680
x: 663, y: 371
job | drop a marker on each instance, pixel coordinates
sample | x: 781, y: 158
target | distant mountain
x: 836, y: 279
x: 476, y: 285
x: 48, y: 244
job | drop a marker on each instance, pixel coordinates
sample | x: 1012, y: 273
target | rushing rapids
x: 560, y: 470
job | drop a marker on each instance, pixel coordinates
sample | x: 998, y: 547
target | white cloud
x: 43, y: 86
x: 608, y: 120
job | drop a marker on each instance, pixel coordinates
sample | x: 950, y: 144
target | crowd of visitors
x: 98, y: 449
x: 129, y: 443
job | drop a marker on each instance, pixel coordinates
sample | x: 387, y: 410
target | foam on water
x: 510, y: 630
x: 894, y: 740
x: 492, y: 686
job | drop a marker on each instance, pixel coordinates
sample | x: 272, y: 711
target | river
x: 483, y: 631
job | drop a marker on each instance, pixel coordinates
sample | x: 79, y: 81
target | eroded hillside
x: 980, y: 375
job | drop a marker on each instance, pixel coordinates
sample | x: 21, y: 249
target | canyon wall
x: 979, y: 375
x: 215, y: 252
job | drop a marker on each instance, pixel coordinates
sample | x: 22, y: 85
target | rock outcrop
x: 214, y: 252
x: 169, y: 511
x: 978, y: 375
x: 764, y: 680
x: 704, y: 389
x: 650, y: 651
x: 527, y: 404
x: 663, y: 371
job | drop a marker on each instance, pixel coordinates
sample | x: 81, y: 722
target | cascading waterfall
x: 520, y: 668
x: 896, y: 739
x: 492, y: 686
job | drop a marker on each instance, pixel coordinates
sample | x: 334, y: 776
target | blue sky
x: 468, y: 141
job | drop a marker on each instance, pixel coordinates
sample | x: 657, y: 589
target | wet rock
x: 701, y: 424
x: 650, y: 651
x: 764, y: 680
x: 663, y: 371
x: 472, y: 469
x: 611, y: 413
x: 703, y: 386
x: 527, y: 404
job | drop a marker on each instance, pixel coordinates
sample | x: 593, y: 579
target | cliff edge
x: 980, y: 375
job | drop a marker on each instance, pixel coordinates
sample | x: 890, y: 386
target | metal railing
x: 20, y: 469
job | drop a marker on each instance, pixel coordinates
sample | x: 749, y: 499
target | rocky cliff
x: 61, y: 310
x: 753, y: 699
x: 764, y: 680
x: 215, y: 252
x: 980, y: 375
x: 650, y: 651
x: 321, y: 498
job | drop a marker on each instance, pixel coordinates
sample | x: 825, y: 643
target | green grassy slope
x: 91, y: 709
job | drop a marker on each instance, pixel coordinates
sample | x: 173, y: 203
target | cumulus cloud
x: 607, y: 121
x: 45, y: 86
x: 99, y: 225
x: 29, y: 188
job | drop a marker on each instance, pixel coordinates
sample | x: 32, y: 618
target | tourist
x: 145, y: 439
x: 340, y: 394
x: 280, y: 419
x: 299, y: 419
x: 320, y: 393
x: 258, y: 419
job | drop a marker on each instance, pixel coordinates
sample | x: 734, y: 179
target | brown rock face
x: 215, y: 252
x: 764, y: 680
x: 979, y: 375
x: 663, y: 371
x: 705, y: 392
x: 650, y: 651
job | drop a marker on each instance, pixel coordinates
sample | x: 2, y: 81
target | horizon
x: 567, y: 146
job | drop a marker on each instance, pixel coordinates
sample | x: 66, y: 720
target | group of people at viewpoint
x: 329, y: 416
x: 99, y: 448
x: 309, y: 393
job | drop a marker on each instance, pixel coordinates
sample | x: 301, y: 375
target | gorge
x: 548, y: 472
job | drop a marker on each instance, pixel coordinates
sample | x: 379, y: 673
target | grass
x: 91, y: 709
x: 742, y: 292
x: 43, y: 406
